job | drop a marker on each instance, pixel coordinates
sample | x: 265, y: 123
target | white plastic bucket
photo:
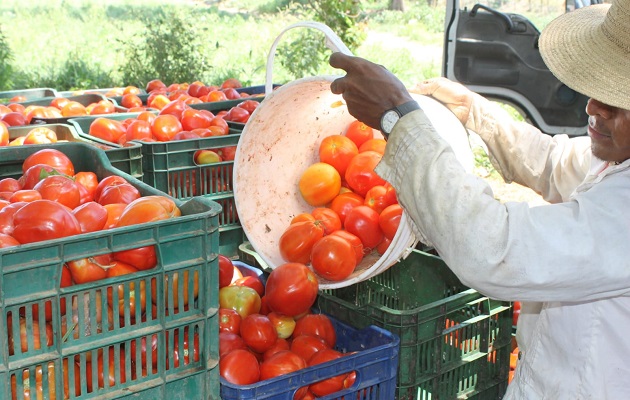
x: 282, y: 138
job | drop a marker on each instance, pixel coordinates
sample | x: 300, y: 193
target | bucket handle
x: 333, y: 42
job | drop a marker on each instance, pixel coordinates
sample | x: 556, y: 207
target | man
x: 569, y: 261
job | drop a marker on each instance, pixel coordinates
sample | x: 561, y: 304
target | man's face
x: 609, y: 129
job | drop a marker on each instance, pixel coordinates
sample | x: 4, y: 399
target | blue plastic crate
x: 375, y: 363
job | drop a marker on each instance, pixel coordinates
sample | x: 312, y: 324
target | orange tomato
x: 107, y: 129
x: 338, y: 151
x: 377, y: 145
x: 319, y: 184
x: 165, y: 127
x: 148, y: 209
x: 328, y: 218
x: 344, y: 202
x: 359, y: 132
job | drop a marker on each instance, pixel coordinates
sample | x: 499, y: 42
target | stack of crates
x: 454, y: 342
x: 68, y: 336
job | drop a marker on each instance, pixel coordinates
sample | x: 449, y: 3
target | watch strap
x: 407, y: 107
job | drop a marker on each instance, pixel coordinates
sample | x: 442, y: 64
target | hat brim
x: 578, y: 53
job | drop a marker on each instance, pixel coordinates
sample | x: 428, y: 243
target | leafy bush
x: 168, y: 48
x: 6, y: 67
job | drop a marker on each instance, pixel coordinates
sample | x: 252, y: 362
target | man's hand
x: 368, y: 89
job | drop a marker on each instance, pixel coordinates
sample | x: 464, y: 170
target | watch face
x: 388, y: 121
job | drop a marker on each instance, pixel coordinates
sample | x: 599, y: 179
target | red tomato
x: 359, y: 132
x: 316, y: 325
x: 194, y: 119
x: 281, y: 363
x: 101, y: 107
x: 362, y: 221
x: 229, y: 321
x: 74, y: 109
x: 35, y: 174
x: 355, y: 242
x: 9, y: 185
x: 142, y: 258
x: 252, y: 282
x: 291, y: 289
x: 148, y: 209
x: 12, y: 118
x: 227, y: 153
x: 338, y: 151
x: 40, y: 135
x: 175, y: 108
x: 258, y: 332
x: 107, y: 129
x: 283, y: 323
x: 91, y: 216
x: 183, y: 356
x: 88, y: 180
x: 50, y: 157
x: 230, y: 341
x: 296, y: 243
x: 231, y: 83
x: 143, y: 351
x: 139, y: 130
x: 7, y: 241
x: 165, y: 127
x: 89, y: 269
x: 237, y: 114
x: 344, y: 202
x: 249, y: 105
x: 319, y: 184
x: 43, y: 220
x: 111, y: 180
x: 25, y: 195
x: 360, y: 174
x: 112, y: 372
x: 137, y: 296
x: 333, y: 258
x: 516, y: 307
x: 221, y: 123
x: 243, y: 299
x: 307, y: 345
x: 328, y: 218
x: 61, y: 189
x: 155, y: 84
x: 302, y: 217
x: 376, y: 198
x: 389, y: 220
x: 330, y: 385
x: 239, y: 367
x: 383, y: 246
x: 226, y: 271
x: 124, y: 193
x: 6, y: 217
x: 377, y: 145
x: 114, y: 211
x: 131, y: 100
x: 280, y: 345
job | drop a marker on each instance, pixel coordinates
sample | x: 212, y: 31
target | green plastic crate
x: 170, y: 168
x: 36, y: 93
x: 454, y: 342
x: 127, y: 158
x: 30, y: 275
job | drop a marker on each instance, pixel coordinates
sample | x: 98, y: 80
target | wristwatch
x: 390, y: 117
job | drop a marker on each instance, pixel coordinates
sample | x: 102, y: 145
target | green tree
x: 6, y: 60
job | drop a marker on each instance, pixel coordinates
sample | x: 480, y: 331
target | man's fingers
x: 341, y: 61
x: 337, y: 86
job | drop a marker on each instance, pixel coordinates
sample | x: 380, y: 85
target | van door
x: 495, y: 53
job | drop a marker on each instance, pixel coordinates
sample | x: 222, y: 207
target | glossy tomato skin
x: 344, y: 202
x: 328, y: 218
x: 338, y: 151
x: 281, y: 363
x: 89, y: 269
x: 226, y: 270
x: 61, y: 189
x: 252, y: 282
x: 291, y: 289
x: 330, y: 385
x: 44, y: 220
x: 243, y: 299
x: 258, y: 332
x: 51, y: 157
x: 142, y: 258
x: 354, y: 241
x: 283, y: 323
x: 107, y: 129
x: 6, y: 217
x: 359, y: 132
x: 123, y: 193
x: 35, y: 174
x: 363, y: 222
x: 316, y: 325
x: 389, y: 220
x: 91, y: 216
x: 307, y: 345
x: 239, y: 367
x: 229, y: 341
x: 360, y: 174
x: 111, y: 180
x: 319, y: 184
x: 148, y: 209
x: 376, y: 198
x: 280, y: 345
x: 7, y: 241
x: 333, y: 258
x: 229, y: 321
x: 298, y: 239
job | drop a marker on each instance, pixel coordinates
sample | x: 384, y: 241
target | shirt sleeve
x: 508, y: 251
x: 552, y: 166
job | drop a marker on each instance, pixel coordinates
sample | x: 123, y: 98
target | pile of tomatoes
x: 268, y: 331
x: 354, y: 210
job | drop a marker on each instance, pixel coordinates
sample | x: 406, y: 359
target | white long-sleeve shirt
x: 568, y: 262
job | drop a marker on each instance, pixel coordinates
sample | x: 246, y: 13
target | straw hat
x: 589, y: 50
